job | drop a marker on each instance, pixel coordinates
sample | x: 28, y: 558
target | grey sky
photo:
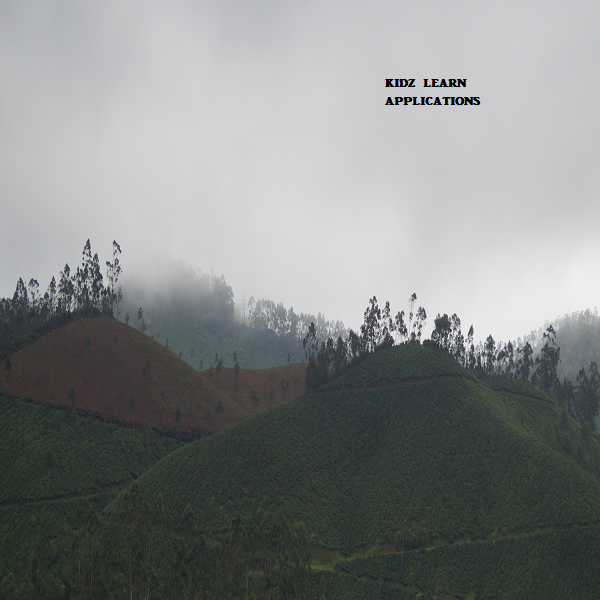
x: 253, y: 139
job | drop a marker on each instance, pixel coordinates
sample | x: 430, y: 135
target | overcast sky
x: 253, y: 138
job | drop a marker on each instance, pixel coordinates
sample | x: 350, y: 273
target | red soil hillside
x: 108, y: 368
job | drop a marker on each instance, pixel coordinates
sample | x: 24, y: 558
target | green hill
x: 406, y: 451
x: 52, y: 462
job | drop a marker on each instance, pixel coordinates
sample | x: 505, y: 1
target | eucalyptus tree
x: 113, y: 272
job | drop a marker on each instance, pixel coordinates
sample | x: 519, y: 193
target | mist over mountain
x: 200, y: 316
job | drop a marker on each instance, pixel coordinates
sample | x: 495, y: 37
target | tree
x: 490, y: 355
x: 400, y: 327
x: 131, y: 401
x: 140, y: 323
x: 457, y: 339
x: 525, y: 361
x: 420, y: 319
x: 547, y: 362
x: 371, y: 328
x: 116, y: 339
x: 71, y: 395
x: 65, y: 290
x: 113, y: 271
x: 218, y: 363
x: 442, y: 331
x: 470, y: 359
x: 411, y: 304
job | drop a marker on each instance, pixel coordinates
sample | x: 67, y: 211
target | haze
x: 253, y: 139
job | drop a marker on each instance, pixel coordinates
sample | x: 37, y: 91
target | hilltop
x: 132, y: 363
x: 406, y: 451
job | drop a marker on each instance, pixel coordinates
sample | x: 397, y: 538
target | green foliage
x: 137, y: 552
x: 51, y: 461
x: 403, y: 363
x: 424, y: 442
x: 550, y: 564
x: 87, y: 454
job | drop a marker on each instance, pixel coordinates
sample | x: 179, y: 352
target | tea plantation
x: 52, y: 462
x: 483, y: 475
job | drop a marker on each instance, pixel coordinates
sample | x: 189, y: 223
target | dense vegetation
x: 54, y: 462
x: 139, y: 552
x: 542, y: 565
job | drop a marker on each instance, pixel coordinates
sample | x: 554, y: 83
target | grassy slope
x: 109, y: 369
x: 351, y: 463
x: 52, y: 462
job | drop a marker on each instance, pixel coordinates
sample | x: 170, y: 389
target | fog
x: 254, y: 140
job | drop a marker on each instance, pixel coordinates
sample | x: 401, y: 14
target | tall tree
x: 442, y: 331
x: 411, y: 304
x: 420, y: 319
x: 547, y: 362
x: 113, y: 272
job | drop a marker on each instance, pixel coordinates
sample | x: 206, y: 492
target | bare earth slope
x: 106, y: 368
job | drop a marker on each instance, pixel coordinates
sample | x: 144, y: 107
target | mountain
x: 412, y: 475
x: 113, y: 368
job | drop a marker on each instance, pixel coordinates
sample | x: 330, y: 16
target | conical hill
x: 407, y: 438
